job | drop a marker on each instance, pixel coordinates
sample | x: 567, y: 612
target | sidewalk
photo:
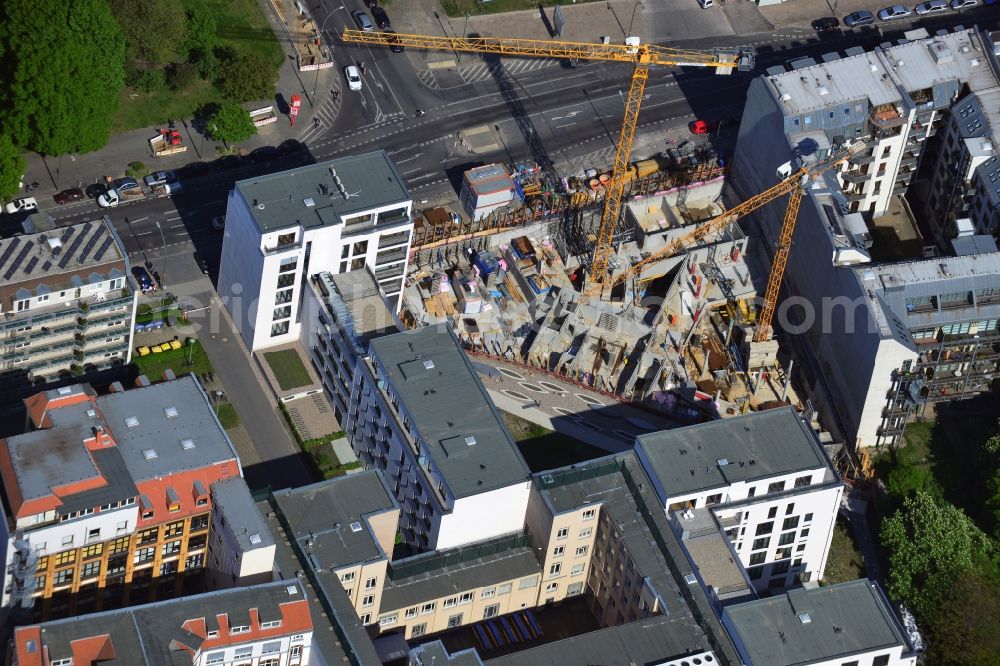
x: 58, y: 173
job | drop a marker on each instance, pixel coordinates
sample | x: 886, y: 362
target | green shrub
x: 181, y: 75
x: 145, y: 80
x: 136, y: 170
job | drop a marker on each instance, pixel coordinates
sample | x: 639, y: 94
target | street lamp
x: 634, y: 7
x: 190, y: 350
x: 163, y: 275
x: 465, y: 31
x: 319, y: 44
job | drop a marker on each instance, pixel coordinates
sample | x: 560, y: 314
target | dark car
x: 264, y: 155
x: 126, y: 184
x: 228, y: 162
x: 858, y: 19
x: 371, y: 4
x: 202, y: 263
x: 143, y: 279
x: 381, y: 18
x: 96, y: 190
x: 72, y: 194
x: 195, y: 169
x: 826, y: 24
x: 393, y: 40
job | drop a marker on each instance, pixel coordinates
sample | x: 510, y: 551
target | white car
x: 931, y: 7
x: 109, y: 199
x: 963, y: 4
x: 164, y: 177
x: 353, y: 77
x: 893, y: 13
x: 22, y: 205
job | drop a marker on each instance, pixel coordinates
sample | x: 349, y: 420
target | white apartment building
x: 859, y: 346
x: 768, y: 482
x: 241, y: 548
x: 847, y: 624
x: 283, y: 228
x: 420, y: 414
x: 262, y: 625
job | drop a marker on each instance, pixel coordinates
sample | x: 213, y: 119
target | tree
x: 11, y: 167
x: 181, y: 75
x: 201, y: 31
x: 246, y: 76
x: 230, y: 124
x: 929, y: 544
x: 61, y: 89
x: 154, y: 29
x: 965, y: 628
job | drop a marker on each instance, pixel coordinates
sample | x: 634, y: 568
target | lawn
x: 546, y: 449
x: 288, y: 369
x: 845, y: 562
x: 153, y: 365
x: 227, y: 415
x: 457, y: 8
x: 241, y: 25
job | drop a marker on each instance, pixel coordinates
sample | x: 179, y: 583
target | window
x: 504, y: 589
x: 764, y: 528
x: 273, y: 624
x: 195, y: 561
x: 577, y: 569
x: 63, y: 577
x: 388, y: 620
x: 488, y: 592
x: 465, y: 598
x: 803, y: 481
x: 527, y: 582
x: 562, y: 533
x: 418, y: 630
x: 755, y: 573
x: 368, y: 600
x: 783, y: 553
x: 574, y: 589
x: 491, y: 611
x: 410, y: 613
x: 776, y: 487
x: 243, y: 653
x: 173, y: 529
x: 586, y: 532
x: 789, y: 508
x: 455, y: 621
x: 171, y: 548
x: 65, y: 557
x: 93, y: 550
x: 790, y: 523
x: 582, y: 550
x: 449, y: 603
x: 67, y: 540
x: 807, y: 518
x: 370, y: 583
x: 800, y: 548
x: 279, y: 329
x: 239, y: 629
x: 90, y: 569
x: 786, y: 538
x: 780, y: 567
x: 366, y: 618
x: 804, y: 533
x: 94, y: 534
x: 347, y: 577
x: 213, y: 658
x: 760, y: 544
x: 428, y: 608
x: 148, y: 536
x: 757, y: 558
x: 555, y: 569
x: 168, y: 568
x: 284, y: 312
x: 558, y: 551
x: 881, y: 660
x: 712, y: 500
x: 772, y: 512
x: 589, y: 514
x: 552, y: 587
x: 122, y: 526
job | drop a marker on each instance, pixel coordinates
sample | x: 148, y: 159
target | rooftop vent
x: 308, y: 201
x: 823, y: 90
x: 470, y: 441
x: 132, y: 421
x: 91, y: 413
x: 804, y: 618
x: 149, y: 454
x: 170, y: 412
x: 187, y: 444
x: 785, y: 97
x: 292, y: 590
x: 722, y: 461
x: 255, y: 538
x: 690, y: 579
x: 428, y: 364
x: 355, y: 527
x: 65, y: 390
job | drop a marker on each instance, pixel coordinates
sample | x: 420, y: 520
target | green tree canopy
x: 154, y: 29
x: 929, y: 544
x: 245, y: 77
x: 965, y: 627
x: 11, y: 168
x: 201, y: 30
x: 230, y: 124
x: 63, y: 65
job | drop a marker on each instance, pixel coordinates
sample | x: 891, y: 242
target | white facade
x: 263, y: 275
x: 480, y: 517
x: 292, y: 650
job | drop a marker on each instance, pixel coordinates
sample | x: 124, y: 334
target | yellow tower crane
x: 791, y: 185
x: 642, y: 56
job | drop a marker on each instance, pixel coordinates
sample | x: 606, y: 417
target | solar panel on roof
x: 76, y: 244
x: 66, y: 234
x: 46, y: 265
x: 9, y: 251
x: 104, y: 248
x: 14, y: 265
x: 88, y: 247
x: 31, y: 265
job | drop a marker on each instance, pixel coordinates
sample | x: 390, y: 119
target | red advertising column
x: 294, y: 110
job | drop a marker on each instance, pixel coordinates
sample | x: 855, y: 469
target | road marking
x: 571, y: 114
x: 412, y: 171
x: 398, y: 162
x: 139, y: 219
x: 566, y: 125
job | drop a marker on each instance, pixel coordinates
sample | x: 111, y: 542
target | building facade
x: 283, y: 228
x: 68, y: 303
x: 263, y: 625
x: 109, y: 498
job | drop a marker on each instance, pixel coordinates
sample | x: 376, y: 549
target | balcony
x: 856, y: 176
x: 862, y: 158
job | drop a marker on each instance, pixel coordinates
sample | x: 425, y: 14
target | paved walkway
x: 581, y: 413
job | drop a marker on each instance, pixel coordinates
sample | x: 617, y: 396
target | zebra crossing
x: 326, y: 114
x: 480, y: 71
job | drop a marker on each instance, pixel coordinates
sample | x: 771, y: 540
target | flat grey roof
x: 371, y: 180
x: 448, y: 404
x: 419, y: 588
x: 144, y: 634
x: 195, y: 420
x: 50, y: 254
x: 323, y: 513
x: 843, y: 620
x: 649, y: 641
x: 756, y: 446
x: 232, y: 497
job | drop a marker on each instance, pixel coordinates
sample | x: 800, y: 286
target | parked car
x: 218, y: 222
x: 143, y: 279
x: 826, y: 24
x: 228, y: 162
x: 66, y: 196
x: 202, y: 263
x: 363, y: 20
x: 22, y: 205
x: 393, y: 40
x: 195, y: 169
x: 931, y: 7
x: 353, y: 77
x: 894, y: 13
x: 857, y: 19
x: 702, y: 126
x: 125, y: 184
x: 381, y: 18
x: 963, y: 4
x: 160, y: 178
